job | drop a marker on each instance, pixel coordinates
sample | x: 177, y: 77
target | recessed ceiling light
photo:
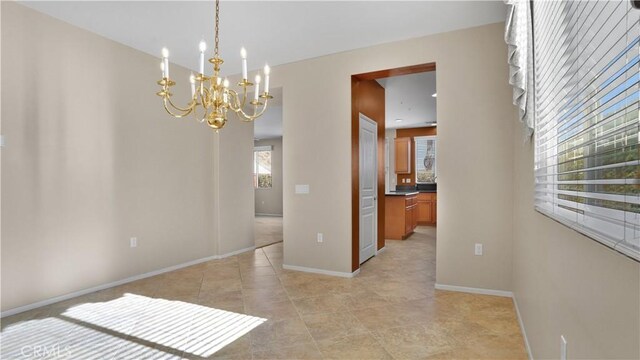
x: 435, y: 95
x: 398, y: 120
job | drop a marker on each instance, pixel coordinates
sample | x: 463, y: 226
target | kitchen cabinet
x: 401, y: 215
x: 427, y: 208
x: 402, y: 147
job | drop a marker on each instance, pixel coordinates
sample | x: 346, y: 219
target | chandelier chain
x: 217, y: 39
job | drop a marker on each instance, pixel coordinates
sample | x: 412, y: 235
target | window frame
x: 597, y: 222
x: 256, y: 182
x: 435, y: 153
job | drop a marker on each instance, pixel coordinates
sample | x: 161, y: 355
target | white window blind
x: 587, y: 169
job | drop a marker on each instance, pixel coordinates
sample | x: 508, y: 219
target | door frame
x: 364, y: 117
x: 375, y: 112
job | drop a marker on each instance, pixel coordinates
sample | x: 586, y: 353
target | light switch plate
x: 478, y: 249
x: 302, y: 189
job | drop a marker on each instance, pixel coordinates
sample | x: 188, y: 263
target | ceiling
x: 276, y: 32
x: 409, y: 98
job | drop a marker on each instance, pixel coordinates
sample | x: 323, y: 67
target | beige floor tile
x: 416, y: 341
x: 307, y: 350
x: 277, y: 334
x: 331, y: 325
x: 363, y: 346
x: 222, y: 300
x: 322, y: 304
x: 362, y: 299
x: 278, y: 310
x: 261, y: 282
x: 264, y: 295
x: 268, y: 230
x: 240, y: 349
x: 221, y: 285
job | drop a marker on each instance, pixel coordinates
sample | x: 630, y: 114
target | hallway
x: 268, y: 230
x: 246, y: 307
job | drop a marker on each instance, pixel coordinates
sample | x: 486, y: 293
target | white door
x: 368, y: 188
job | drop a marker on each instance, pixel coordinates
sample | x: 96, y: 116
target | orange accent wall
x: 413, y: 132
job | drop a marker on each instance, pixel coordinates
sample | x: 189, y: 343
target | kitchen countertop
x: 401, y: 193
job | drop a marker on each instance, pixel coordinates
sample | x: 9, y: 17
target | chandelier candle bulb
x: 203, y: 48
x: 243, y: 54
x: 267, y: 71
x: 257, y: 87
x: 165, y: 61
x: 164, y: 75
x: 192, y: 80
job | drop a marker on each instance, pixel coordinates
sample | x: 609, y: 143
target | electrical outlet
x: 133, y: 242
x: 320, y: 238
x: 478, y: 249
x: 563, y: 348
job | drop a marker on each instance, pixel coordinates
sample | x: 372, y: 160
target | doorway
x: 368, y: 187
x: 368, y: 98
x: 268, y: 174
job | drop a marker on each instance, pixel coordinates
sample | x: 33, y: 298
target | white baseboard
x: 471, y: 290
x: 321, y: 271
x: 502, y: 293
x: 72, y: 295
x: 524, y: 333
x: 271, y: 215
x: 250, y: 248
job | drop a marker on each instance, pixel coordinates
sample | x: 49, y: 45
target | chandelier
x: 211, y: 97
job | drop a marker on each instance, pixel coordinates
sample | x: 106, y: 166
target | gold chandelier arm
x: 236, y: 104
x: 167, y: 102
x: 189, y: 109
x: 246, y: 117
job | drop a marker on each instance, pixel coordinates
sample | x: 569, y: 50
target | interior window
x: 425, y: 159
x: 262, y: 178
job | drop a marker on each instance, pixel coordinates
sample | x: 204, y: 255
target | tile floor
x: 268, y: 230
x: 248, y: 307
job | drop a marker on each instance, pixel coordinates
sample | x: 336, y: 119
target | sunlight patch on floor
x: 129, y: 326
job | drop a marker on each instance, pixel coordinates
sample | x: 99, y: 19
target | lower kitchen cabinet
x: 401, y: 216
x: 427, y: 208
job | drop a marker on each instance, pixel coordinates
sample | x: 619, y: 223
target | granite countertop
x: 401, y: 193
x: 428, y: 191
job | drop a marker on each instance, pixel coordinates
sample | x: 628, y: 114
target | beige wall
x: 234, y: 208
x: 474, y: 165
x: 91, y: 159
x: 567, y: 284
x: 269, y: 201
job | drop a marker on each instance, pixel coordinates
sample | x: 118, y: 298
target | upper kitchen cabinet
x: 403, y: 155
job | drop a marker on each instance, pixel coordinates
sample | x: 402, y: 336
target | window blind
x: 587, y: 171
